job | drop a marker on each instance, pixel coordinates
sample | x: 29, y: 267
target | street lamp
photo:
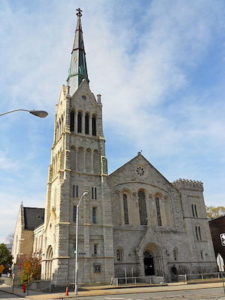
x: 37, y: 113
x: 76, y: 243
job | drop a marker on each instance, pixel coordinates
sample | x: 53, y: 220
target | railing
x: 186, y: 278
x: 137, y: 280
x: 217, y: 276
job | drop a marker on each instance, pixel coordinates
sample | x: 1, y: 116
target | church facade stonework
x: 133, y: 222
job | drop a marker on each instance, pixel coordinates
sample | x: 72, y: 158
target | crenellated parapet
x: 186, y: 184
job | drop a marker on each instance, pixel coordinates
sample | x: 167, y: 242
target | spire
x: 78, y: 66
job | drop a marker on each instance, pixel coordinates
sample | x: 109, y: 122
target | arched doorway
x: 48, y: 265
x: 149, y: 263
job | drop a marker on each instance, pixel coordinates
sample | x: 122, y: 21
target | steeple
x: 78, y: 66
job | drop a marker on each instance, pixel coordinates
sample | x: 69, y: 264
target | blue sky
x: 160, y: 67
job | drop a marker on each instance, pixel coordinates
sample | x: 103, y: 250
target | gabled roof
x: 139, y: 155
x: 33, y: 217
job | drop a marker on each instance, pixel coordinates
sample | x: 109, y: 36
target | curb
x: 12, y: 293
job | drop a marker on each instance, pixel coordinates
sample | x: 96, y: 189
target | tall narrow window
x: 158, y: 212
x: 198, y: 233
x: 93, y: 125
x: 125, y: 209
x: 142, y: 208
x: 94, y: 193
x: 196, y: 213
x: 75, y: 191
x: 79, y: 122
x: 94, y: 215
x: 194, y: 210
x: 87, y: 123
x: 175, y: 252
x: 72, y: 121
x: 74, y: 213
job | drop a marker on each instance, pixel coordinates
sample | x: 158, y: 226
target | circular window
x: 140, y: 171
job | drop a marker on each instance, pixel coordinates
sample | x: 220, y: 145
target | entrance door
x: 149, y: 264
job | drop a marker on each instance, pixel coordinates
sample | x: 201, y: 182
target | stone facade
x: 174, y: 237
x: 133, y: 222
x: 217, y: 229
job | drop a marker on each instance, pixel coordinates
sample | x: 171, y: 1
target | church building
x: 132, y: 223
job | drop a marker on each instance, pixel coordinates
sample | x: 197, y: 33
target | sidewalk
x: 111, y: 290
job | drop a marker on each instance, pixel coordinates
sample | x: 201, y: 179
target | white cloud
x: 142, y: 60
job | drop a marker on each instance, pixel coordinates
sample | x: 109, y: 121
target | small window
x: 175, y: 252
x: 202, y: 254
x: 95, y: 252
x: 94, y: 193
x: 94, y: 215
x: 97, y: 268
x: 75, y: 191
x: 84, y: 97
x: 119, y: 254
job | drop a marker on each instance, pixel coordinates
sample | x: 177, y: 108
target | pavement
x: 110, y: 290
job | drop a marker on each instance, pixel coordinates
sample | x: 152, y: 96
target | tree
x: 215, y: 212
x: 30, y: 268
x: 5, y: 257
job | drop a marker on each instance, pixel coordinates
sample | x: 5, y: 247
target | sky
x: 159, y: 66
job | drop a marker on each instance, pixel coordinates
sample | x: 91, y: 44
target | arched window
x: 119, y: 254
x: 93, y: 120
x: 48, y: 262
x: 125, y: 209
x: 158, y: 212
x: 72, y: 121
x: 87, y: 123
x: 198, y: 233
x: 142, y: 208
x: 79, y: 122
x: 194, y: 211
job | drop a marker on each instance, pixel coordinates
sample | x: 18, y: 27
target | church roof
x: 33, y: 217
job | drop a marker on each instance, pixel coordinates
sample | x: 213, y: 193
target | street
x: 203, y: 294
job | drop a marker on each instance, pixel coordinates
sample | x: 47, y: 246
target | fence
x: 138, y: 280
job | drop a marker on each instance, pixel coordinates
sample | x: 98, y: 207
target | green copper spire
x: 78, y: 65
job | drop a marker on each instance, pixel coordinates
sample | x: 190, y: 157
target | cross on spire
x: 79, y: 12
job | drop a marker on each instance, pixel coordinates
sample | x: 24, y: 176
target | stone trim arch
x: 48, y: 263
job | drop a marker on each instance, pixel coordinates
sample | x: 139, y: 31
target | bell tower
x: 78, y: 164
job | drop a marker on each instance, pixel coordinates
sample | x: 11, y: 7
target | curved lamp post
x: 37, y: 113
x: 76, y: 244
